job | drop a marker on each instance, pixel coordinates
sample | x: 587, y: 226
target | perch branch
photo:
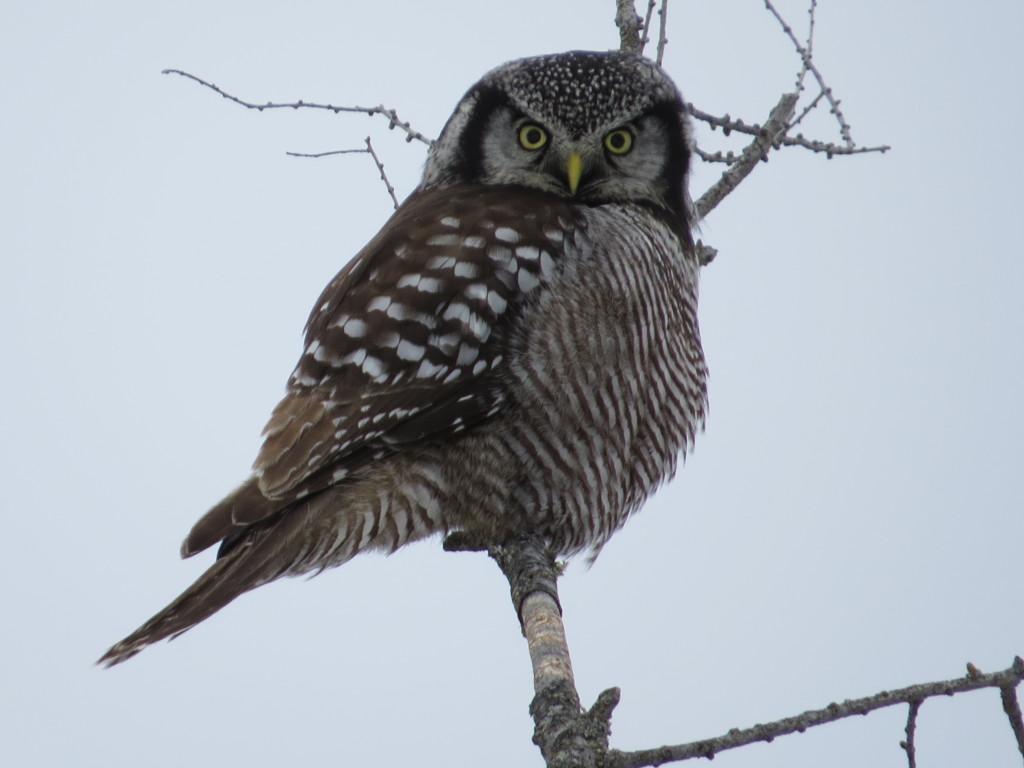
x: 390, y: 114
x: 1006, y: 679
x: 568, y: 737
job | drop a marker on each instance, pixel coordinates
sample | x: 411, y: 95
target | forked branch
x: 1007, y: 679
x: 568, y: 736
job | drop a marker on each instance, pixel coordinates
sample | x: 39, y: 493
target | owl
x: 516, y: 350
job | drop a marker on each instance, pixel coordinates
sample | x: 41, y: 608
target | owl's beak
x: 574, y: 169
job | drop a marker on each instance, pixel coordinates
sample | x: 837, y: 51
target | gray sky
x: 850, y: 521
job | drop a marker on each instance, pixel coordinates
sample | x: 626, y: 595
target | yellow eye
x: 532, y: 137
x: 619, y: 142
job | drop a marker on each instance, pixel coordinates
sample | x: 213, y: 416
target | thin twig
x: 327, y: 154
x: 662, y: 28
x: 645, y: 35
x: 1007, y: 678
x: 755, y: 152
x: 368, y: 151
x: 1011, y: 707
x: 910, y: 730
x: 807, y: 110
x: 728, y: 125
x: 716, y: 157
x: 383, y: 176
x: 844, y: 127
x: 390, y: 114
x: 810, y: 47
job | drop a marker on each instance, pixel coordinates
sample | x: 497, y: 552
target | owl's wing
x: 406, y: 343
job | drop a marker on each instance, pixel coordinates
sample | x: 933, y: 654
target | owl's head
x: 597, y: 127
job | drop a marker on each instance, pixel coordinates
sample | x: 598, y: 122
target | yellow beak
x: 574, y: 169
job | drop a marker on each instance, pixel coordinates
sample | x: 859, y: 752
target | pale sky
x: 849, y: 522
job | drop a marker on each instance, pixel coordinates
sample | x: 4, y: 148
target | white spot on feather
x: 354, y: 328
x: 527, y: 281
x: 466, y: 269
x: 476, y: 292
x: 409, y: 351
x: 427, y: 369
x: 496, y: 302
x: 446, y: 239
x: 373, y: 366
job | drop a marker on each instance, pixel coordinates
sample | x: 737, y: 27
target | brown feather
x: 335, y: 407
x: 266, y: 553
x: 243, y: 506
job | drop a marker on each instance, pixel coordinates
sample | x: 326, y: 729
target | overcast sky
x: 850, y: 521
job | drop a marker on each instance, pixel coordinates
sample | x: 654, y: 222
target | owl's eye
x: 532, y: 137
x: 619, y: 142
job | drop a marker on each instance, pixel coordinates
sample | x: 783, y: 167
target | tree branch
x: 1006, y: 679
x: 728, y: 125
x: 568, y: 737
x: 662, y: 29
x: 368, y: 151
x: 1008, y: 694
x: 808, y: 65
x: 390, y: 114
x: 911, y: 728
x: 773, y: 129
x: 630, y: 38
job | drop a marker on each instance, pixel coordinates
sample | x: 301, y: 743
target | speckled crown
x: 582, y: 89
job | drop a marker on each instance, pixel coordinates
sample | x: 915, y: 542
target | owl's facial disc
x: 598, y: 128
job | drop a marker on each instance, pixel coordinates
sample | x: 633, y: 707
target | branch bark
x: 767, y: 137
x: 568, y: 736
x: 913, y: 695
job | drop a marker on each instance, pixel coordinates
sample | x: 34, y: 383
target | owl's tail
x: 266, y: 552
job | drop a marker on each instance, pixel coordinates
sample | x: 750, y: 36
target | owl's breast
x: 605, y: 378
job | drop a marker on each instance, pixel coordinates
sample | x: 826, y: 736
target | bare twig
x: 807, y: 110
x: 755, y: 152
x: 728, y: 125
x: 1011, y: 707
x: 646, y: 34
x: 383, y: 176
x: 662, y: 27
x: 1008, y: 678
x: 910, y: 729
x: 390, y: 114
x: 805, y: 55
x: 327, y: 154
x: 809, y: 46
x: 716, y: 157
x: 368, y: 151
